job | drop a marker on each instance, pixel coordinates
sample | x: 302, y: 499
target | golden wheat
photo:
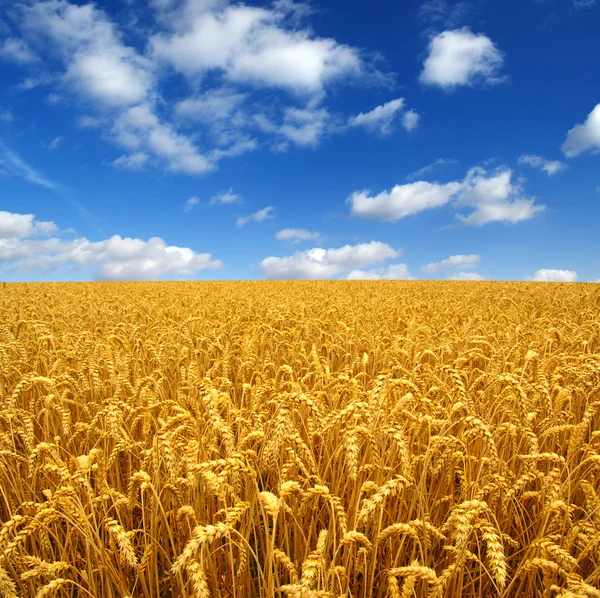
x: 261, y: 439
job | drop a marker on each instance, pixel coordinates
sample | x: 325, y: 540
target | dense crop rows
x: 300, y: 439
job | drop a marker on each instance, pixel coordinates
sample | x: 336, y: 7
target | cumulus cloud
x: 495, y: 198
x: 318, y: 263
x: 255, y: 45
x: 260, y: 216
x: 225, y: 197
x: 466, y: 276
x: 455, y: 262
x: 98, y: 64
x: 190, y: 204
x: 492, y: 197
x: 584, y: 137
x: 392, y: 272
x: 460, y: 57
x: 402, y: 200
x: 296, y: 235
x: 115, y: 258
x: 19, y: 226
x: 226, y: 51
x: 550, y: 167
x: 549, y: 275
x: 382, y: 118
x: 120, y: 81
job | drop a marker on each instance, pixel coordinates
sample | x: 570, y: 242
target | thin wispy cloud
x: 550, y: 167
x: 296, y: 235
x: 225, y: 197
x: 53, y: 144
x: 383, y: 119
x: 430, y: 168
x: 13, y: 163
x: 259, y: 216
x: 190, y: 204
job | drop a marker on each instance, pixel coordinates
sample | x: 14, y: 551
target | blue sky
x: 207, y: 139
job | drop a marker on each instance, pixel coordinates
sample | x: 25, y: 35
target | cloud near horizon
x: 490, y: 197
x: 318, y: 263
x: 30, y: 245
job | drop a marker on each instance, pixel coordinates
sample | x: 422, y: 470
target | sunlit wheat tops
x: 302, y: 439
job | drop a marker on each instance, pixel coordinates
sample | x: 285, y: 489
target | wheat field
x: 258, y: 439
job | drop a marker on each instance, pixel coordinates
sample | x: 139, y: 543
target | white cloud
x: 492, y: 198
x: 450, y: 15
x: 32, y: 82
x: 296, y: 235
x: 19, y: 226
x: 392, y: 272
x: 550, y: 167
x: 466, y: 276
x: 252, y: 45
x: 16, y: 50
x: 583, y: 3
x: 138, y: 128
x: 135, y: 161
x: 260, y: 216
x: 53, y: 99
x: 191, y: 203
x: 116, y: 258
x: 212, y: 106
x: 410, y: 120
x: 226, y: 50
x: 18, y: 167
x: 6, y: 116
x: 225, y: 197
x: 98, y: 64
x: 495, y: 198
x: 381, y: 119
x: 303, y: 126
x: 545, y: 275
x: 54, y: 143
x: 402, y: 200
x: 89, y: 122
x: 429, y: 167
x: 460, y: 57
x: 456, y: 262
x: 116, y: 78
x: 584, y: 137
x: 320, y: 263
